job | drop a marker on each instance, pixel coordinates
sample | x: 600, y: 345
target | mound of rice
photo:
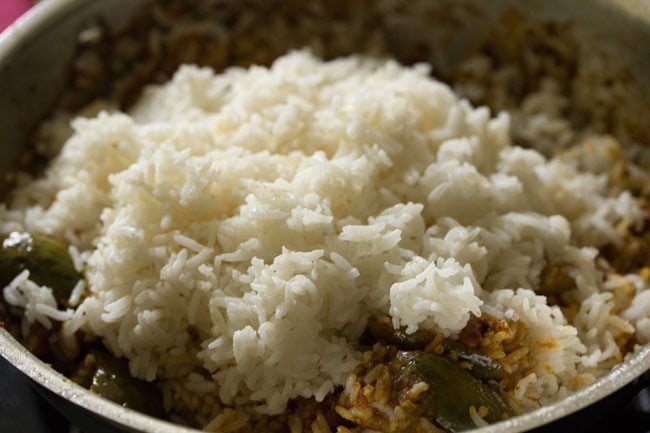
x: 237, y: 230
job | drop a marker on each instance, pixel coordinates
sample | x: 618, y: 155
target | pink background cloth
x: 12, y: 9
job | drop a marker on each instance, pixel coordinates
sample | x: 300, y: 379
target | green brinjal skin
x: 113, y: 382
x: 452, y: 390
x: 482, y: 366
x: 382, y: 329
x: 47, y: 260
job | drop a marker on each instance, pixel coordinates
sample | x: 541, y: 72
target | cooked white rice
x: 271, y: 211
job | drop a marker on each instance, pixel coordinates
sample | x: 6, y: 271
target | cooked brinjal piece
x: 112, y: 380
x: 483, y: 367
x: 47, y: 260
x: 382, y: 329
x: 452, y: 391
x: 36, y: 341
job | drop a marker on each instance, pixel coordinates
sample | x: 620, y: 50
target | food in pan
x: 325, y: 246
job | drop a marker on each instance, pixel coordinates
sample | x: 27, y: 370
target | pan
x: 36, y: 54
